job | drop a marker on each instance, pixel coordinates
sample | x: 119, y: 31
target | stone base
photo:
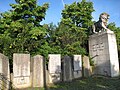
x: 54, y: 78
x: 103, y: 51
x: 22, y: 82
x: 77, y: 74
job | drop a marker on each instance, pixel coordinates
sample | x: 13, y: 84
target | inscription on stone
x: 97, y: 47
x: 21, y: 80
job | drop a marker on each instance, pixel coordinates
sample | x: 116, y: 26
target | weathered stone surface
x: 67, y: 69
x: 21, y: 70
x: 86, y: 65
x: 4, y: 65
x: 77, y: 66
x: 103, y: 50
x: 4, y: 72
x: 37, y: 65
x: 54, y: 68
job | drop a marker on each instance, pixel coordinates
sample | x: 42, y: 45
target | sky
x: 53, y: 14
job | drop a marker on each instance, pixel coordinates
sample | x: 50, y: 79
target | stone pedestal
x: 77, y: 61
x: 67, y: 69
x: 103, y: 51
x: 4, y: 72
x: 54, y: 68
x: 37, y: 69
x: 21, y: 70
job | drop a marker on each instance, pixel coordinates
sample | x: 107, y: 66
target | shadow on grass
x: 93, y: 83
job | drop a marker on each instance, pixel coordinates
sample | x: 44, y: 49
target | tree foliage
x: 72, y: 33
x: 20, y: 29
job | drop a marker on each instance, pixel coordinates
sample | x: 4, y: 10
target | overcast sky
x: 56, y: 6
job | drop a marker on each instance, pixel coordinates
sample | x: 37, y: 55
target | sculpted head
x: 101, y: 25
x: 104, y: 17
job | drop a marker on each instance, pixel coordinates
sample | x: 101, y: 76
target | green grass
x: 94, y: 83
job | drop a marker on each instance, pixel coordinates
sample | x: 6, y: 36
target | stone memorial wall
x: 103, y: 51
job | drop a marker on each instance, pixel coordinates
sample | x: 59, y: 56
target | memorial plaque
x: 21, y: 70
x: 54, y: 67
x: 103, y: 50
x: 77, y: 66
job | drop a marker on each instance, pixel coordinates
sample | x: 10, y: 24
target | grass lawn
x: 92, y: 83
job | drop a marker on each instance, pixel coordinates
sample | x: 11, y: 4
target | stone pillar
x: 37, y: 68
x: 54, y: 68
x: 77, y: 61
x: 103, y: 50
x: 86, y: 66
x: 4, y: 72
x: 21, y: 70
x: 67, y: 69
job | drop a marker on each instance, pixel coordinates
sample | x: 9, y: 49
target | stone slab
x: 37, y: 65
x: 4, y: 72
x: 54, y: 63
x: 77, y: 66
x: 21, y: 70
x: 67, y: 69
x: 4, y: 65
x: 54, y: 68
x: 86, y: 66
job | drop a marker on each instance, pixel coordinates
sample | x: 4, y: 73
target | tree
x: 20, y: 30
x: 53, y: 43
x: 72, y: 32
x: 23, y: 25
